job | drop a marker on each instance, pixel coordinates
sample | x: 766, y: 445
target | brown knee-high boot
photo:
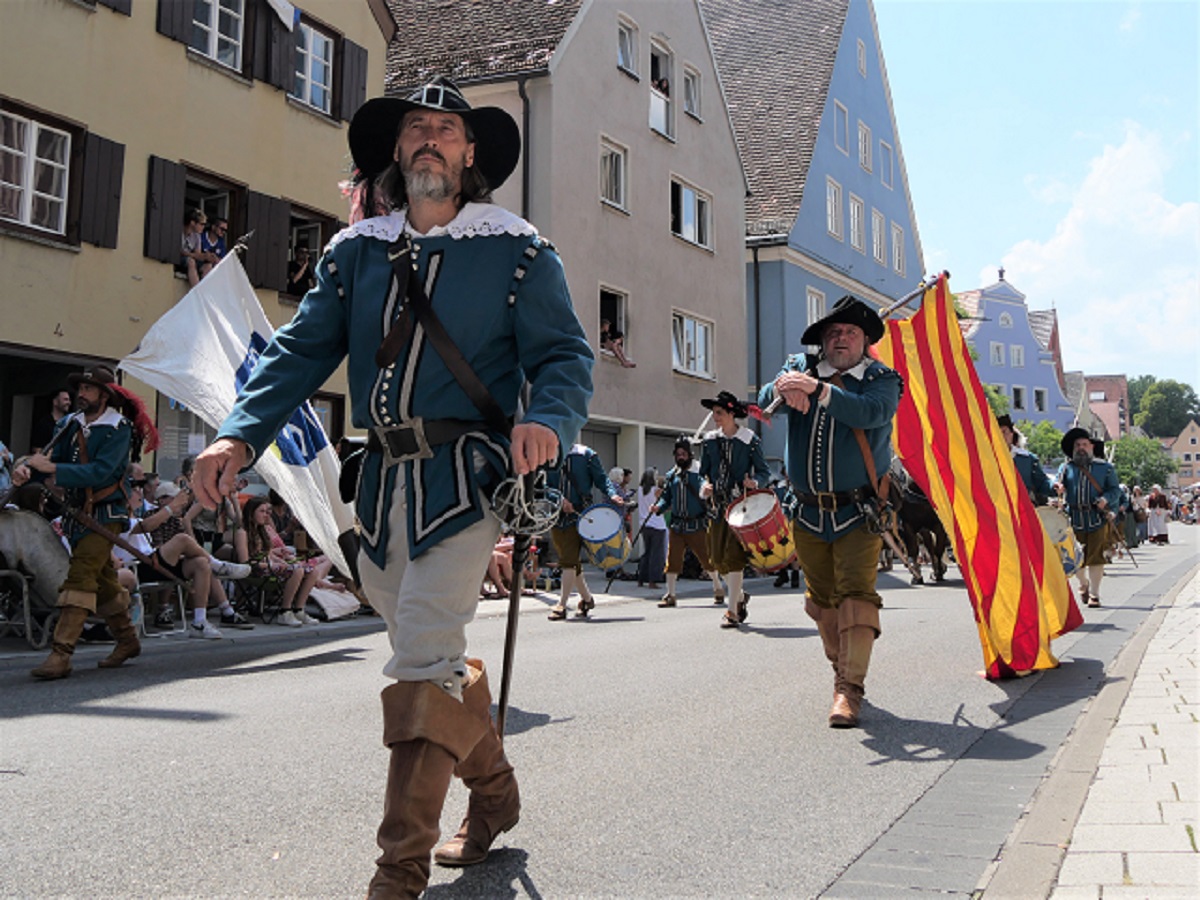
x: 71, y: 620
x: 428, y: 732
x: 495, y: 804
x: 827, y: 627
x: 858, y: 626
x: 128, y: 646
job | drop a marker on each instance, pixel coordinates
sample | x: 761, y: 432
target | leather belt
x: 416, y: 438
x: 829, y: 501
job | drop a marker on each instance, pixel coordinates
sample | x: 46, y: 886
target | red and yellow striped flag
x: 949, y: 441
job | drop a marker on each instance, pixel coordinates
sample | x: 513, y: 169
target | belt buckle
x: 404, y: 442
x: 823, y: 497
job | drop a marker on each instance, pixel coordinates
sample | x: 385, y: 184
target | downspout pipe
x: 525, y: 140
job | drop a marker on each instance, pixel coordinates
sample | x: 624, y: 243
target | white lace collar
x: 825, y: 370
x: 473, y: 220
x: 109, y: 417
x: 743, y: 434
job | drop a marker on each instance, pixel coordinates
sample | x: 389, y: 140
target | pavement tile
x: 1091, y: 868
x: 1137, y: 774
x: 1180, y: 812
x: 1075, y: 892
x: 946, y: 877
x: 1131, y: 838
x: 1165, y: 868
x: 1115, y: 789
x: 849, y: 889
x: 1186, y: 778
x: 1129, y: 756
x: 949, y: 845
x: 1135, y: 738
x: 1117, y: 812
x: 1136, y: 892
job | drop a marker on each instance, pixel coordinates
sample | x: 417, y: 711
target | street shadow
x: 1096, y: 626
x: 604, y: 620
x: 503, y: 876
x: 519, y: 721
x: 787, y: 632
x: 895, y: 739
x: 1072, y: 681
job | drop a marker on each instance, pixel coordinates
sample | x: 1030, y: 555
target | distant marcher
x: 654, y: 532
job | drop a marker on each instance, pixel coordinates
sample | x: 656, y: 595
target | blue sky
x: 1058, y: 139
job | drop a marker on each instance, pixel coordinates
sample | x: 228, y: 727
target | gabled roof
x: 473, y: 40
x: 968, y: 301
x: 775, y: 58
x: 1041, y: 323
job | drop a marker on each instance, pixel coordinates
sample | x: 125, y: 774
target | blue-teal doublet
x: 1032, y: 473
x: 726, y: 461
x: 500, y: 292
x: 823, y: 454
x: 581, y: 473
x: 108, y: 440
x: 1080, y: 495
x: 681, y: 497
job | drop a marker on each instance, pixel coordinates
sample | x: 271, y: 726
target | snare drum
x: 1058, y: 529
x: 602, y: 532
x: 757, y: 518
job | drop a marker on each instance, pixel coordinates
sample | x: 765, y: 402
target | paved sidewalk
x: 1137, y: 833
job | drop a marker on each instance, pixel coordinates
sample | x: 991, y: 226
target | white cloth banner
x: 201, y: 353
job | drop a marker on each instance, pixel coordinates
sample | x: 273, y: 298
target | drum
x: 1058, y: 528
x: 764, y: 530
x: 602, y: 533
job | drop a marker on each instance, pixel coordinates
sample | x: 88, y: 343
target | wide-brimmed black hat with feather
x: 373, y: 130
x: 728, y: 402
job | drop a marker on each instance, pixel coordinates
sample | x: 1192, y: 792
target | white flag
x: 202, y: 352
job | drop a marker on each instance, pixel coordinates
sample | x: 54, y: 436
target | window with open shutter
x: 164, y: 210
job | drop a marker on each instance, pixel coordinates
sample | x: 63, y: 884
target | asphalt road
x: 658, y: 755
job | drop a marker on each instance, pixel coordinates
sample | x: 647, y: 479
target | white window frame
x: 834, y: 224
x: 627, y: 46
x: 887, y: 164
x: 841, y: 127
x: 610, y: 149
x: 858, y: 224
x: 878, y: 240
x: 692, y: 95
x: 814, y: 302
x: 1006, y: 320
x: 862, y: 58
x: 1041, y: 399
x: 208, y: 32
x: 621, y: 316
x: 1016, y: 356
x: 898, y: 249
x: 31, y: 165
x: 699, y: 204
x: 662, y: 108
x: 305, y: 80
x: 996, y: 353
x: 692, y: 345
x: 864, y: 145
x: 1019, y: 396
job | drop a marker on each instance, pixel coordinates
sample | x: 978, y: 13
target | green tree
x: 1166, y: 407
x: 1137, y: 390
x: 1141, y: 460
x: 1043, y: 440
x: 996, y: 400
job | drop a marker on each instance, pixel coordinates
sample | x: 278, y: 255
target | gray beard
x: 1081, y: 459
x: 428, y: 186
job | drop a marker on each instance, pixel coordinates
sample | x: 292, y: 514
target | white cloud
x: 1131, y: 18
x: 1122, y: 268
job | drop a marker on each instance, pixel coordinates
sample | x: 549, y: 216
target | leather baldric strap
x: 92, y: 497
x: 418, y: 309
x: 880, y: 486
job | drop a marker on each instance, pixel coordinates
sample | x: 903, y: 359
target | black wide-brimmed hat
x: 1069, y: 439
x: 728, y: 402
x: 1005, y: 421
x: 851, y: 311
x: 373, y: 130
x: 101, y: 376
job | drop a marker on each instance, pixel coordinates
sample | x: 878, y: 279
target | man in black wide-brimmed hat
x: 1091, y: 493
x: 840, y: 407
x: 444, y: 304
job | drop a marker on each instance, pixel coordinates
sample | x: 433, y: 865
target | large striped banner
x: 949, y: 441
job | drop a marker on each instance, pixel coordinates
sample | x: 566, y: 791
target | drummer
x: 1028, y: 466
x: 689, y: 521
x: 580, y: 474
x: 731, y: 462
x: 1090, y: 493
x: 832, y: 399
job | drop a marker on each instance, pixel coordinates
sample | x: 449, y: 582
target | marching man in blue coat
x: 580, y: 474
x: 731, y: 463
x: 840, y: 408
x: 1090, y: 493
x: 1027, y: 465
x: 444, y: 304
x: 689, y: 522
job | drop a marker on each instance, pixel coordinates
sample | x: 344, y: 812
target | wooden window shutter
x: 100, y: 209
x: 353, y: 77
x: 175, y: 19
x: 266, y: 255
x: 164, y: 210
x: 121, y: 6
x: 274, y: 48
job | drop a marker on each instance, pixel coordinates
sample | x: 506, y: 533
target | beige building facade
x: 118, y: 116
x: 631, y: 169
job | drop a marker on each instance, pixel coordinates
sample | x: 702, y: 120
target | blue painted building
x: 1015, y: 352
x: 829, y: 211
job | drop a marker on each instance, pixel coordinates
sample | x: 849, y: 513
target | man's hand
x: 797, y: 389
x: 20, y: 475
x: 706, y: 490
x: 217, y: 470
x: 41, y: 462
x: 749, y: 483
x: 533, y: 445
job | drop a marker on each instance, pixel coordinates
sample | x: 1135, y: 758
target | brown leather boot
x: 71, y: 620
x: 495, y: 804
x: 847, y: 700
x: 428, y: 732
x: 128, y: 646
x: 858, y: 625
